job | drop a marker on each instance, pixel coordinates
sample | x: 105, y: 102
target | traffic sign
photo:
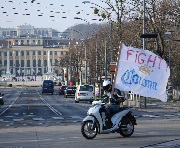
x: 112, y: 67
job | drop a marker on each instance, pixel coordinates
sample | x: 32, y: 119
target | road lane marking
x: 16, y: 120
x: 57, y: 118
x: 9, y: 105
x: 38, y: 119
x: 169, y: 115
x: 50, y: 107
x: 168, y: 144
x: 151, y: 116
x: 76, y: 117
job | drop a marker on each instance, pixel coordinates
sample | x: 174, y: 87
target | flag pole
x: 116, y: 69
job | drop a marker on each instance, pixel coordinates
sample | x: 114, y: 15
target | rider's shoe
x: 109, y: 123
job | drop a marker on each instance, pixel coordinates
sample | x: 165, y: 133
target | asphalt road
x: 29, y: 119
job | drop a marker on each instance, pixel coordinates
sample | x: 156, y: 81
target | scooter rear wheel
x: 127, y: 128
x: 88, y: 130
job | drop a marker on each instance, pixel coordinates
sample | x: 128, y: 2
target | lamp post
x: 105, y: 59
x: 111, y: 48
x: 169, y: 52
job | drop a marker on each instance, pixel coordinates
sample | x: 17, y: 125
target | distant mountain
x: 81, y: 31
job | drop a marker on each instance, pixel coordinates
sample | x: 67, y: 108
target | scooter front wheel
x: 89, y: 130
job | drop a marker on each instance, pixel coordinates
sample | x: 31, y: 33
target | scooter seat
x: 116, y: 108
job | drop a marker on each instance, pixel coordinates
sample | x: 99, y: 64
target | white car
x: 84, y: 93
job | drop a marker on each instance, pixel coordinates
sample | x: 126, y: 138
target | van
x: 48, y: 86
x: 84, y: 93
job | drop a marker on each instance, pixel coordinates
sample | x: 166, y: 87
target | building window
x: 22, y: 63
x: 0, y: 53
x: 55, y: 52
x: 5, y: 53
x: 28, y: 42
x: 34, y: 63
x: 22, y: 53
x: 34, y: 42
x: 45, y: 63
x: 28, y: 63
x: 56, y: 61
x: 22, y: 42
x: 16, y: 42
x: 39, y: 42
x: 17, y: 63
x: 5, y: 62
x: 10, y: 53
x: 44, y: 52
x: 34, y: 53
x: 39, y: 63
x: 27, y: 52
x: 50, y: 52
x: 11, y: 62
x: 17, y: 53
x: 39, y: 52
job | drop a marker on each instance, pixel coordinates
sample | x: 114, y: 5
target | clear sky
x: 56, y: 14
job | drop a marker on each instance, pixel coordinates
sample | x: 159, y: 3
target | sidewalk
x: 157, y: 109
x: 157, y: 105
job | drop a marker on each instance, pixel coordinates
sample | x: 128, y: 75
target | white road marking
x: 38, y: 119
x: 50, y: 107
x: 76, y: 117
x: 170, y: 144
x: 9, y: 106
x: 57, y: 118
x: 169, y: 115
x: 16, y: 120
x: 151, y: 116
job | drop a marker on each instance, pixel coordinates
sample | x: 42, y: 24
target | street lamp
x: 85, y: 58
x: 111, y: 48
x: 169, y: 51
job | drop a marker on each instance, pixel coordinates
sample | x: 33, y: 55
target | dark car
x: 69, y: 91
x: 48, y: 86
x: 1, y: 99
x: 61, y: 89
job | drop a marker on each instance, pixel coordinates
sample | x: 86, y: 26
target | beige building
x: 26, y: 29
x: 27, y: 56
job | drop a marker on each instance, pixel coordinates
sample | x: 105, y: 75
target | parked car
x: 69, y: 91
x: 61, y: 89
x: 84, y: 93
x: 1, y: 99
x: 48, y: 86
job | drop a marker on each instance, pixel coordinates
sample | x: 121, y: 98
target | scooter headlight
x: 89, y: 112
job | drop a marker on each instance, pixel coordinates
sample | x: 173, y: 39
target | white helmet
x: 107, y: 86
x: 106, y: 82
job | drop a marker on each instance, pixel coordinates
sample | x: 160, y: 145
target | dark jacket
x: 118, y: 97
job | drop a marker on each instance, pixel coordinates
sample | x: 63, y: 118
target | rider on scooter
x: 118, y: 98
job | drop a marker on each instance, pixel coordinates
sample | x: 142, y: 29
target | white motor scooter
x: 122, y: 121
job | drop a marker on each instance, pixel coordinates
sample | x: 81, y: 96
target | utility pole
x: 105, y: 59
x: 85, y: 65
x: 111, y: 48
x: 144, y: 31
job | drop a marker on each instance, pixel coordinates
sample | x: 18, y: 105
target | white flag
x: 142, y: 72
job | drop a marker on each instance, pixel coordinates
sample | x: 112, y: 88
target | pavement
x: 156, y: 108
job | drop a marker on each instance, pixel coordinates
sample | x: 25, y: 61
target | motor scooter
x: 122, y: 120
